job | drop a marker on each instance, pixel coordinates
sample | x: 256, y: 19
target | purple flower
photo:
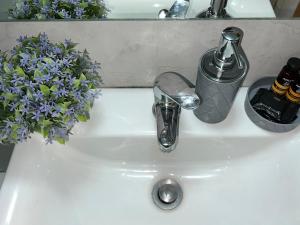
x: 63, y: 92
x: 23, y: 133
x: 30, y: 85
x: 15, y: 90
x: 22, y: 38
x: 70, y: 111
x: 38, y: 79
x: 25, y: 100
x: 57, y: 66
x: 57, y: 50
x: 47, y: 77
x: 13, y: 106
x: 17, y: 80
x: 59, y: 83
x: 79, y: 12
x: 38, y: 96
x: 45, y: 108
x: 36, y: 115
x: 25, y: 59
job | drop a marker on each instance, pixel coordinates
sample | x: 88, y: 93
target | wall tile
x: 133, y: 53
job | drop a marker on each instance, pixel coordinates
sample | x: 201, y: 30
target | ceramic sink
x: 150, y: 8
x: 231, y: 173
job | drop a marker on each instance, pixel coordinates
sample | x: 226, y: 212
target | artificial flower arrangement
x: 45, y: 87
x: 58, y: 9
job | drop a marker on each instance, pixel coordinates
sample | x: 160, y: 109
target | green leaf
x: 29, y: 94
x: 62, y: 107
x: 9, y: 96
x: 45, y: 132
x: 82, y: 118
x: 54, y: 88
x: 67, y: 104
x: 40, y: 16
x: 20, y: 71
x: 45, y: 89
x: 68, y: 71
x: 37, y: 73
x: 17, y: 113
x: 6, y: 67
x: 46, y: 123
x: 76, y: 83
x: 83, y: 5
x: 48, y: 60
x: 44, y: 2
x: 82, y: 77
x: 60, y: 141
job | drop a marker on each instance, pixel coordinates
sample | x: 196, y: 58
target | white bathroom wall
x: 133, y: 53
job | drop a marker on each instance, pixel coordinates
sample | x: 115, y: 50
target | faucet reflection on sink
x: 178, y: 10
x: 172, y: 92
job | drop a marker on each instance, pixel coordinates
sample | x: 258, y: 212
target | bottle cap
x: 294, y: 64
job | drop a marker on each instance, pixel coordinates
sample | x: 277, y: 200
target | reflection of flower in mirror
x: 45, y: 87
x: 58, y: 9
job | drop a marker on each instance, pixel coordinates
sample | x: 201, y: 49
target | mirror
x: 146, y: 9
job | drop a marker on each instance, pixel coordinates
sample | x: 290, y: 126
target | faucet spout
x: 177, y: 11
x: 172, y: 92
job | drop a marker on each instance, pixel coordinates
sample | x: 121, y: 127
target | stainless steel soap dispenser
x: 221, y: 72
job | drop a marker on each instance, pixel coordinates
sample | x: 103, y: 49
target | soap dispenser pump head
x: 229, y: 49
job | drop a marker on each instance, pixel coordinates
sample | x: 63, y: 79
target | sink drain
x: 167, y: 194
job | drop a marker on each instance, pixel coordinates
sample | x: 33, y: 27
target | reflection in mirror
x: 58, y: 9
x: 146, y: 9
x: 150, y: 9
x: 286, y: 8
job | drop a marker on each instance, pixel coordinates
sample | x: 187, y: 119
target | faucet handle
x: 173, y: 86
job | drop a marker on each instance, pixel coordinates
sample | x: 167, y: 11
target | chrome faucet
x: 177, y: 11
x: 172, y: 92
x: 217, y: 9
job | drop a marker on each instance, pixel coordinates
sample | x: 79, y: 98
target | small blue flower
x: 79, y: 12
x: 45, y: 108
x: 25, y: 59
x: 38, y: 96
x: 13, y: 106
x: 36, y: 115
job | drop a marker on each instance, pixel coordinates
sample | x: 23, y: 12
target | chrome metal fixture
x: 167, y: 194
x: 216, y: 10
x: 230, y: 50
x: 177, y: 11
x: 172, y: 92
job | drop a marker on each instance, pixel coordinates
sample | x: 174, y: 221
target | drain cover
x: 167, y: 194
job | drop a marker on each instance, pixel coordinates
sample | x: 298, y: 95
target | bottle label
x: 293, y: 96
x: 279, y: 89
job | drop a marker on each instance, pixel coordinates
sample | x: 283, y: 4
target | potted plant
x: 45, y: 87
x: 58, y: 9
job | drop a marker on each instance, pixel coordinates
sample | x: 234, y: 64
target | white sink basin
x: 232, y: 173
x: 150, y: 8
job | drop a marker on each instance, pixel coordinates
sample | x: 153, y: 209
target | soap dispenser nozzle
x: 229, y: 51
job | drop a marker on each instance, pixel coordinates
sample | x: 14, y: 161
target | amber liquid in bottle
x: 293, y: 99
x: 293, y: 94
x: 286, y: 77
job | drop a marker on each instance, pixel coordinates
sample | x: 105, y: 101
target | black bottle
x: 286, y: 77
x: 273, y: 104
x: 293, y: 99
